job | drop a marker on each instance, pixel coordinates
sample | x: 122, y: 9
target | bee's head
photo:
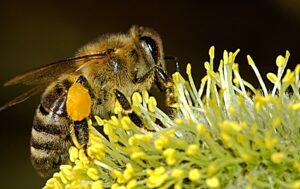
x: 149, y: 51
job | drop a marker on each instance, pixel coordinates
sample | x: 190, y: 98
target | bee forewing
x: 24, y: 96
x: 51, y: 72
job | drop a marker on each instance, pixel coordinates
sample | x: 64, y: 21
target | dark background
x: 37, y: 33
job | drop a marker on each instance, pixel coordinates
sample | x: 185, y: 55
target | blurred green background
x: 34, y: 33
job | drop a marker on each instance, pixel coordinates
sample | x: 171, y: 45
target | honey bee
x: 102, y: 72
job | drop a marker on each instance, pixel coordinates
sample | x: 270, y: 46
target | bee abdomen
x: 44, y: 140
x: 50, y: 136
x: 47, y: 124
x: 50, y: 141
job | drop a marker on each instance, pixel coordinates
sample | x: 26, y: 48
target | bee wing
x: 46, y: 74
x: 24, y: 96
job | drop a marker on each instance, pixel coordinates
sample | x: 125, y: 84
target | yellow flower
x: 225, y: 132
x: 192, y: 149
x: 170, y: 155
x: 194, y: 175
x: 277, y: 157
x: 213, y: 182
x: 157, y: 177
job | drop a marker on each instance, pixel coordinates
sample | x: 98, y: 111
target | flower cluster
x: 225, y: 134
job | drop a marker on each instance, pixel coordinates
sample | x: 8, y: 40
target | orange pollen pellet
x: 78, y: 102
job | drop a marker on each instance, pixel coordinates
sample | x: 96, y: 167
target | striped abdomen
x: 50, y: 137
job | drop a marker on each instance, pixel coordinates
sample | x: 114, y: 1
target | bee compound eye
x: 150, y: 44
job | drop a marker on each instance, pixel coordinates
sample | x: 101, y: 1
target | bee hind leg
x: 80, y: 134
x: 81, y: 91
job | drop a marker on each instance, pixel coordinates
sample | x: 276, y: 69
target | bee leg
x: 127, y: 107
x: 79, y: 129
x: 83, y: 81
x: 165, y: 84
x: 80, y: 134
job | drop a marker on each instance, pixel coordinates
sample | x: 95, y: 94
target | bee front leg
x: 127, y: 107
x: 165, y: 84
